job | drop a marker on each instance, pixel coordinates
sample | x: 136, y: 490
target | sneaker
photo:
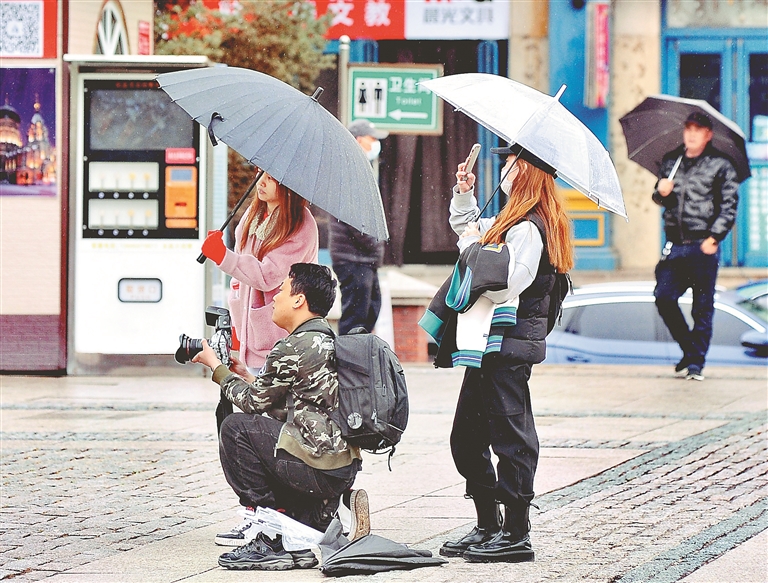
x: 303, y: 559
x: 681, y: 368
x: 694, y: 373
x: 240, y: 535
x: 262, y: 554
x: 354, y: 505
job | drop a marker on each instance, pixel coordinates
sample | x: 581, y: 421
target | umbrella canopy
x: 542, y: 125
x: 287, y: 134
x: 655, y: 127
x: 375, y: 554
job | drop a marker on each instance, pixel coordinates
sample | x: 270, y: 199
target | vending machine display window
x: 141, y: 163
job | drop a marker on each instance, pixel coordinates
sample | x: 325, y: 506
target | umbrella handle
x: 675, y: 167
x: 490, y: 198
x: 201, y: 258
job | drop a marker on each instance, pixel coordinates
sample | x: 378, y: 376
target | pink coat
x: 255, y: 283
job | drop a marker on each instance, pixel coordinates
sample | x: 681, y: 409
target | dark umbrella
x: 287, y: 134
x: 376, y: 554
x: 655, y: 128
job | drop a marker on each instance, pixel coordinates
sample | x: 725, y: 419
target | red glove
x: 214, y: 248
x: 235, y: 340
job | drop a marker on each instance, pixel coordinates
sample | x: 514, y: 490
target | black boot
x: 510, y: 545
x: 488, y: 526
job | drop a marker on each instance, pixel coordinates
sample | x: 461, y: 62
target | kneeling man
x: 283, y: 451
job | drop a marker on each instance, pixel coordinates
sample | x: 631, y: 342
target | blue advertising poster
x: 28, y: 132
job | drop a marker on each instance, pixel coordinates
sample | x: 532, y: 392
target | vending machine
x: 140, y: 179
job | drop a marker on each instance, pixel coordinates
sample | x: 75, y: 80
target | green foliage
x: 281, y: 38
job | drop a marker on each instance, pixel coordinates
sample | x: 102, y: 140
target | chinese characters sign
x: 596, y: 75
x: 417, y: 19
x: 390, y: 97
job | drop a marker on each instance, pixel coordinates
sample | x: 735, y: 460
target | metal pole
x: 343, y: 79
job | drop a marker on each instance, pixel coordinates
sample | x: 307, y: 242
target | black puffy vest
x: 526, y: 340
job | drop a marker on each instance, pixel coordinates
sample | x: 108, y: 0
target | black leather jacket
x: 704, y: 199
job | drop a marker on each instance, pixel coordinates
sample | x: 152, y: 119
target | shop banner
x: 457, y: 19
x: 417, y: 19
x: 597, y: 55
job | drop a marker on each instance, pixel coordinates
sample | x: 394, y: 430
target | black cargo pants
x: 494, y: 410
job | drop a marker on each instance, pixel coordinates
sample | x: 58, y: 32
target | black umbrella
x: 287, y: 134
x: 655, y: 127
x: 376, y: 554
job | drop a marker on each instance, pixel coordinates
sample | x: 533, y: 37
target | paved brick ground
x: 85, y: 480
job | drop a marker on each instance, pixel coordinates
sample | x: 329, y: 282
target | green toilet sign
x: 391, y: 98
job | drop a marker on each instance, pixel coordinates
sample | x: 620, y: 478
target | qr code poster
x: 28, y: 29
x: 28, y: 151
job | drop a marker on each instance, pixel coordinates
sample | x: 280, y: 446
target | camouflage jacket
x: 303, y: 365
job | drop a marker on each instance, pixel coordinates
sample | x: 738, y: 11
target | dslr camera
x: 220, y: 341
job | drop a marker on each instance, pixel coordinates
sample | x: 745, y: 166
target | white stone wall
x: 84, y: 18
x: 528, y: 44
x: 635, y: 74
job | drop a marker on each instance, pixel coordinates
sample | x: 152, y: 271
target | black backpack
x: 373, y: 397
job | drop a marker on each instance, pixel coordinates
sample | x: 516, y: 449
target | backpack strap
x: 290, y: 404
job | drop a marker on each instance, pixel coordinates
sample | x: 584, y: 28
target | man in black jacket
x: 699, y: 199
x: 355, y: 255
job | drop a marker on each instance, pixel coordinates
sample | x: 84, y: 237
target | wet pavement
x: 643, y: 477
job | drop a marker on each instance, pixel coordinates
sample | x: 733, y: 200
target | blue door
x: 731, y: 73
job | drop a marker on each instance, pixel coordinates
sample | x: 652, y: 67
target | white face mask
x: 508, y: 177
x: 375, y: 150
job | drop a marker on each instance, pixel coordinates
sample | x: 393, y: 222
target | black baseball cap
x: 700, y: 119
x: 521, y: 152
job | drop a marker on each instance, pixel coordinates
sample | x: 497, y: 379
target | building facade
x: 34, y: 164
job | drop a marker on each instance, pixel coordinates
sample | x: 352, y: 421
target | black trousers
x: 494, y: 410
x: 264, y: 476
x: 360, y: 296
x: 685, y: 267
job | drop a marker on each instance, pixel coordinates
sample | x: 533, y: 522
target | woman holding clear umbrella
x: 275, y: 232
x: 494, y: 406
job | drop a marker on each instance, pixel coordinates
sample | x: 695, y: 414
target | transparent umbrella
x: 542, y: 125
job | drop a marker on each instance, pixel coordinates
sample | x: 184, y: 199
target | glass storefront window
x: 758, y: 97
x: 701, y: 77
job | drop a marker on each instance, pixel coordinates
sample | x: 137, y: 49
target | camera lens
x: 188, y: 348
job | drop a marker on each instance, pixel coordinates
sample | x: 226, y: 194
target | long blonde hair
x: 533, y: 191
x: 290, y: 217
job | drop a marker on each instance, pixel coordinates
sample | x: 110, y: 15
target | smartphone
x: 473, y: 153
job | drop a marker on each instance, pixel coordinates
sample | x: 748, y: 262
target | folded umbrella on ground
x: 375, y: 554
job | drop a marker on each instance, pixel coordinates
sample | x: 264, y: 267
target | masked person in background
x: 699, y: 210
x: 494, y: 406
x: 275, y: 232
x: 355, y: 255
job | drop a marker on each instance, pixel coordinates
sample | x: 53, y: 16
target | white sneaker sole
x: 361, y: 520
x: 230, y: 542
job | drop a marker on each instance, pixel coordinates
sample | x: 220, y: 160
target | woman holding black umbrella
x: 494, y: 406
